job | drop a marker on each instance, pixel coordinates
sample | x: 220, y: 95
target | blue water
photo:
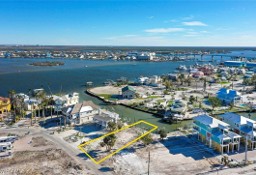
x: 17, y: 74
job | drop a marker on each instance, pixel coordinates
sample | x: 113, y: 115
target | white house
x: 243, y: 126
x: 81, y: 112
x: 178, y: 106
x: 65, y: 100
x: 104, y: 117
x: 142, y: 80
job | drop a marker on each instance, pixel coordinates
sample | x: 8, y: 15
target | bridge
x: 214, y: 57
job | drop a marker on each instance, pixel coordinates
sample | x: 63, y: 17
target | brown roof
x: 76, y: 108
x: 90, y: 103
x: 5, y: 100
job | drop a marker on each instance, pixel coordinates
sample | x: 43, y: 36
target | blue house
x: 228, y: 96
x: 216, y: 134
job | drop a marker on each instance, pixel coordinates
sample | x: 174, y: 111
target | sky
x: 129, y: 23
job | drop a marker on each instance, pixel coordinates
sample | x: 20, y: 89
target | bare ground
x: 39, y: 157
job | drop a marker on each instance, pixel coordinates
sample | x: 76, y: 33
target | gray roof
x: 236, y: 118
x: 104, y: 118
x: 210, y: 121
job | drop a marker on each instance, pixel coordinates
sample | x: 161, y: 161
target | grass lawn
x: 154, y: 96
x: 223, y: 82
x: 106, y: 96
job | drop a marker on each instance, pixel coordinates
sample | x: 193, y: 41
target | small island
x: 47, y: 63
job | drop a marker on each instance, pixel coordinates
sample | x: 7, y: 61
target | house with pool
x: 242, y: 126
x: 216, y: 134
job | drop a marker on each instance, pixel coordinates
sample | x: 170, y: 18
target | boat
x: 182, y: 68
x: 89, y: 83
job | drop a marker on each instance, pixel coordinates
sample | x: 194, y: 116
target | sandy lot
x: 38, y: 157
x: 106, y: 90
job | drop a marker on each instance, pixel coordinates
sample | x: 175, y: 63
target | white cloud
x: 164, y: 30
x: 150, y: 17
x: 194, y: 23
x: 187, y: 17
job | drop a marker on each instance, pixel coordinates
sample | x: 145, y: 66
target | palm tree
x: 188, y: 80
x: 181, y: 78
x: 205, y: 84
x: 167, y: 84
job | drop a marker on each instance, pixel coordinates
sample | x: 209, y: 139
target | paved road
x: 71, y: 151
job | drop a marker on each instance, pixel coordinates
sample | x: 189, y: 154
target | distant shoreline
x: 47, y: 63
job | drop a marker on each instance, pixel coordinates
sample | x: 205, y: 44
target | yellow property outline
x: 118, y: 150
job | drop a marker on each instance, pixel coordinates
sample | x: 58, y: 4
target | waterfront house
x: 103, y: 117
x: 142, y: 80
x: 86, y: 112
x: 198, y: 74
x: 128, y: 92
x: 80, y: 113
x: 243, y: 126
x: 65, y: 100
x: 228, y: 96
x: 5, y: 105
x: 216, y: 134
x: 178, y: 106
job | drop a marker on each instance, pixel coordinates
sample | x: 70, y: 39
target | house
x: 142, y: 80
x: 87, y: 111
x: 228, y: 96
x: 243, y: 126
x: 178, y: 106
x: 128, y: 92
x: 216, y: 134
x: 5, y: 105
x: 198, y: 74
x: 104, y: 117
x: 145, y: 56
x: 81, y: 112
x: 64, y: 101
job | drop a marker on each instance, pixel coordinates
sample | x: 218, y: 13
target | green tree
x: 181, y: 78
x: 147, y: 139
x: 167, y: 84
x: 188, y: 80
x: 205, y: 84
x: 112, y: 126
x: 215, y: 102
x: 109, y: 142
x: 162, y: 133
x: 192, y: 99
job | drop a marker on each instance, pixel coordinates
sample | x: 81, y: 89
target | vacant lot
x: 98, y: 151
x: 36, y: 155
x: 177, y: 155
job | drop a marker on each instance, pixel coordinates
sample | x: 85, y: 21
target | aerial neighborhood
x: 211, y: 106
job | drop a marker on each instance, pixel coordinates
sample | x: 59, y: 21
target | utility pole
x: 148, y: 161
x: 246, y: 147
